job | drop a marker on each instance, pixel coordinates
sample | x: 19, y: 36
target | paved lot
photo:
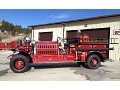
x: 109, y: 71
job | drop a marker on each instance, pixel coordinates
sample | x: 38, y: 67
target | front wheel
x: 93, y: 61
x: 19, y: 64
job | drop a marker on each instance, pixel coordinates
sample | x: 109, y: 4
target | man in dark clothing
x: 77, y: 37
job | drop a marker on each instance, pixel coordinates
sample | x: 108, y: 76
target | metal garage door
x: 45, y: 36
x: 70, y: 34
x: 97, y: 33
x: 93, y: 33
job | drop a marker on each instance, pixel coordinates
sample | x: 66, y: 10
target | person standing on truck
x: 83, y: 38
x: 78, y: 34
x: 78, y: 37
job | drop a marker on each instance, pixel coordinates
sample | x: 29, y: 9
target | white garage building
x: 96, y: 27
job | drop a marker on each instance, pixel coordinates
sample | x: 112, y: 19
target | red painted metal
x: 52, y: 58
x: 12, y: 45
x: 75, y: 50
x: 49, y: 51
x: 19, y: 64
x: 9, y: 46
x: 83, y: 57
x: 46, y: 48
x: 2, y: 45
x: 94, y: 62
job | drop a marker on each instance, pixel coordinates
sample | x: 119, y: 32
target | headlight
x: 27, y: 39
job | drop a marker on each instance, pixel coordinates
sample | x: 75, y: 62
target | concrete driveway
x: 60, y: 72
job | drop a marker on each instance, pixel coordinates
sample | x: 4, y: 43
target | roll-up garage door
x: 70, y: 34
x: 93, y: 33
x: 45, y: 36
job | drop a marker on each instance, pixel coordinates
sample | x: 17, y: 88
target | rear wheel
x: 19, y: 64
x: 93, y: 61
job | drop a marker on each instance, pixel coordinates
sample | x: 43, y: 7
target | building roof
x: 83, y: 19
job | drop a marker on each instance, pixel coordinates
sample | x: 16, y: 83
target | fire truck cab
x: 84, y: 51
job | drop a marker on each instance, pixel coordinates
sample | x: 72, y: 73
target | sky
x: 27, y: 17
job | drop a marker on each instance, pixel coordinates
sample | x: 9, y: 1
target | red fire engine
x: 8, y: 46
x: 84, y: 51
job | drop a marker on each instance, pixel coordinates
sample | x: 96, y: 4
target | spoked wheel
x: 19, y: 64
x: 93, y: 61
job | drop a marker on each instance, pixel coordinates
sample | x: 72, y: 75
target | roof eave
x: 84, y: 19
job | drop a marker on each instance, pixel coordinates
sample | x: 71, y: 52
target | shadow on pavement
x: 54, y: 65
x: 3, y: 72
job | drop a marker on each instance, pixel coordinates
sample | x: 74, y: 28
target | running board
x: 55, y: 62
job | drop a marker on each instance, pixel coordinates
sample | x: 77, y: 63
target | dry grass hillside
x: 11, y: 38
x: 8, y: 38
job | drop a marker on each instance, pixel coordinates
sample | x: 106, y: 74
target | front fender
x: 12, y: 55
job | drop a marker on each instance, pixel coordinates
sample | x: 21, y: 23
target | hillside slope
x: 11, y: 38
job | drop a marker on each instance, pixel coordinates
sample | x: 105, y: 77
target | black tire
x: 16, y: 60
x: 93, y: 61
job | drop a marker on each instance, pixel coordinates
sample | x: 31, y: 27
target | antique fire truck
x: 84, y: 51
